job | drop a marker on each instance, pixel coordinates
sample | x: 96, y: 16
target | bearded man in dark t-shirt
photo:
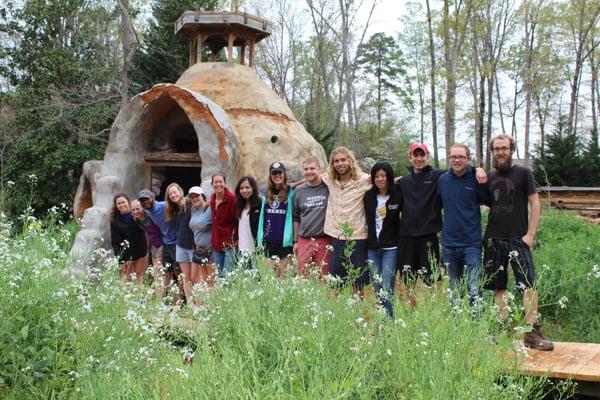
x: 510, y: 235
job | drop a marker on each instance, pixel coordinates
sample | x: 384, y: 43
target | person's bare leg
x: 500, y: 301
x: 211, y: 275
x: 126, y: 271
x: 411, y: 298
x: 169, y: 279
x: 159, y: 279
x: 282, y: 268
x: 139, y: 267
x: 530, y: 303
x: 185, y: 279
x: 123, y: 267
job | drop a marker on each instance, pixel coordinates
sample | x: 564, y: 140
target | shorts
x: 415, y: 257
x: 502, y: 253
x: 276, y: 249
x: 156, y: 253
x: 313, y: 251
x: 183, y: 255
x: 170, y: 264
x: 358, y: 261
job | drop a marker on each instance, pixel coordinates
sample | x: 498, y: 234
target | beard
x: 502, y: 166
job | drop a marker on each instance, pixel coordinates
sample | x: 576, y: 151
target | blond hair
x: 355, y: 170
x: 173, y: 209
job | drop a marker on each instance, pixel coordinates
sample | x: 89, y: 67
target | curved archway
x: 178, y: 123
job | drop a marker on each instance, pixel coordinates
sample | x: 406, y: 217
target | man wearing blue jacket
x: 460, y: 196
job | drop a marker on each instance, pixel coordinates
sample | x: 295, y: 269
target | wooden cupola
x: 217, y: 30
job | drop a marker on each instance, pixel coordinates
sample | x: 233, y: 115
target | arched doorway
x: 172, y: 153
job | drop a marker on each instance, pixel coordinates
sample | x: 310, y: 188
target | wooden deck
x: 579, y: 362
x: 576, y: 361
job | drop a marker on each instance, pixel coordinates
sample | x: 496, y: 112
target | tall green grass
x: 567, y: 257
x: 259, y: 337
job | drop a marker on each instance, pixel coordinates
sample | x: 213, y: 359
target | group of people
x: 352, y: 226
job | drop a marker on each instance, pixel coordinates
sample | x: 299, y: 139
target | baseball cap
x: 418, y: 146
x: 196, y: 190
x: 276, y: 167
x: 146, y: 194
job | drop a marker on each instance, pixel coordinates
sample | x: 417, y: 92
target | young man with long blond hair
x: 345, y: 219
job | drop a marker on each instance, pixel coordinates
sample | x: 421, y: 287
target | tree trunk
x: 432, y: 76
x: 129, y: 41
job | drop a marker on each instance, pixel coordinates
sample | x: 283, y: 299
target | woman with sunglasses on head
x: 178, y: 209
x: 127, y: 239
x: 275, y: 225
x: 248, y: 207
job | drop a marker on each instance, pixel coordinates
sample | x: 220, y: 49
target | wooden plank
x: 577, y: 361
x: 195, y: 164
x: 176, y: 157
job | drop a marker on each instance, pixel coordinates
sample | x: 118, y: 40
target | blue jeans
x: 464, y: 267
x: 382, y: 265
x: 224, y: 261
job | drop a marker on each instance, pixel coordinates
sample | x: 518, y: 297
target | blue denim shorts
x: 183, y: 255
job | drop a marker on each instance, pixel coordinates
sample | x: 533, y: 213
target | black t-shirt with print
x: 509, y: 191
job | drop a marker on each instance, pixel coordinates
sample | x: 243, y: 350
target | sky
x: 385, y: 17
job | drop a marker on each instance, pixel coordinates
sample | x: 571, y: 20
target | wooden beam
x: 251, y: 54
x: 230, y: 47
x: 192, y: 48
x: 195, y: 164
x: 199, y: 41
x: 172, y: 157
x: 242, y: 54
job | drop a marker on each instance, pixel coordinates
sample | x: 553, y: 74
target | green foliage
x: 565, y: 161
x: 64, y: 73
x: 382, y: 59
x: 258, y: 336
x: 163, y: 57
x: 568, y: 267
x: 591, y: 161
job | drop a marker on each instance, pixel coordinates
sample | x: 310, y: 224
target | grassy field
x: 261, y: 337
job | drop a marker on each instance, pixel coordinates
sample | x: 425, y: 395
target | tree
x: 581, y: 17
x: 560, y: 164
x: 432, y: 75
x: 63, y: 73
x: 454, y: 32
x: 382, y: 58
x: 163, y: 56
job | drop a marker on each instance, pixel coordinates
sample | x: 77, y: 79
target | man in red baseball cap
x: 421, y: 220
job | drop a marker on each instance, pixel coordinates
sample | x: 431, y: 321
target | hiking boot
x: 536, y: 340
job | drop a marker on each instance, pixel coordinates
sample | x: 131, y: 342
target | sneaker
x: 536, y: 340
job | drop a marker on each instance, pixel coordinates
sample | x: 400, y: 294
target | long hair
x: 389, y: 174
x: 173, y: 209
x: 240, y: 203
x: 272, y: 191
x: 114, y: 211
x: 355, y: 170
